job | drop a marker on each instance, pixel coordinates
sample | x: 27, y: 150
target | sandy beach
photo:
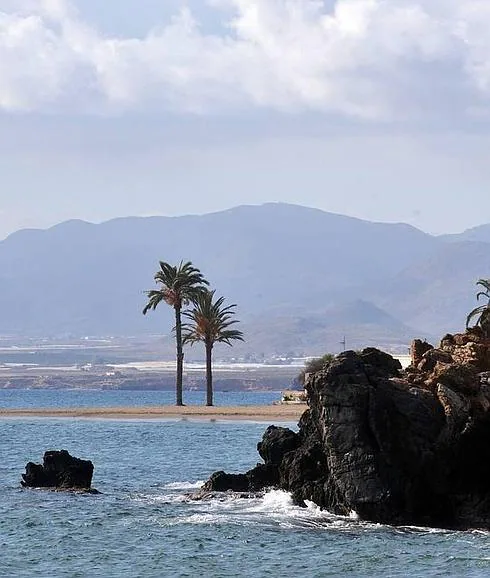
x: 255, y: 413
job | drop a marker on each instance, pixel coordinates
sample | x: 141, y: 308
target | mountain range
x: 303, y: 279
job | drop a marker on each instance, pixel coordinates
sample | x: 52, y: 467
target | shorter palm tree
x: 482, y: 313
x: 210, y: 323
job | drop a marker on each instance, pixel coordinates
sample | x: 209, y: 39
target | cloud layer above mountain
x: 371, y: 59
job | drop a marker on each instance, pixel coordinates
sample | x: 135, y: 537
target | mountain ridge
x: 89, y: 279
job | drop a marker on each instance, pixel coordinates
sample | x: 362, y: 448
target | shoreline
x: 254, y: 413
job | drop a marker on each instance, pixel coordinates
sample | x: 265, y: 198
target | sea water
x: 32, y: 398
x: 144, y: 525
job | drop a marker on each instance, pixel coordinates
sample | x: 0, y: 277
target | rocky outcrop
x: 276, y: 443
x: 60, y: 471
x: 397, y: 447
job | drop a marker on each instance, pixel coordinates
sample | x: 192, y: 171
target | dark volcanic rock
x: 60, y: 470
x: 256, y: 479
x: 378, y: 363
x: 222, y: 482
x: 396, y: 447
x: 377, y: 438
x: 276, y: 443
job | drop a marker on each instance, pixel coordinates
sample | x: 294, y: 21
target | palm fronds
x: 210, y: 321
x: 179, y: 284
x: 482, y: 312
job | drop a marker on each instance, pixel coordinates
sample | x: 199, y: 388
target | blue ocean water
x: 31, y: 398
x: 143, y: 525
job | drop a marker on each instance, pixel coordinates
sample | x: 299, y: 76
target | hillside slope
x: 86, y: 279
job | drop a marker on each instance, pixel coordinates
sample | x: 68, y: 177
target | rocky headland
x: 397, y: 447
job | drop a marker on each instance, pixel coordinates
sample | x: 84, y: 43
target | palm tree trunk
x: 180, y: 357
x: 209, y: 374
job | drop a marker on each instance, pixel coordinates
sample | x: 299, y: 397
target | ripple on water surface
x: 144, y: 525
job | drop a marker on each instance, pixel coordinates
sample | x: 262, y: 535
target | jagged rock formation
x: 61, y: 471
x: 397, y: 447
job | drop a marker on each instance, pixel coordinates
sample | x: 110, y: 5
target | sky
x: 378, y: 109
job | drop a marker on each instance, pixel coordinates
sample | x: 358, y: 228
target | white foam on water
x: 276, y: 501
x: 160, y: 499
x: 279, y: 505
x: 480, y: 532
x: 171, y: 494
x: 274, y: 508
x: 200, y: 519
x: 184, y: 485
x: 421, y: 530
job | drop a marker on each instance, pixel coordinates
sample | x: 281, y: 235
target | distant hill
x: 361, y: 323
x: 479, y: 234
x: 289, y: 269
x: 436, y: 293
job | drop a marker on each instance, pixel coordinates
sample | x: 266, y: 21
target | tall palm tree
x: 482, y: 313
x: 210, y: 322
x: 178, y: 286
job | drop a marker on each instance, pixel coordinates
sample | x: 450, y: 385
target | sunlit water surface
x: 143, y: 525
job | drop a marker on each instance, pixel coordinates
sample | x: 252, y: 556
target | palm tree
x: 482, y: 313
x: 210, y: 322
x: 178, y: 286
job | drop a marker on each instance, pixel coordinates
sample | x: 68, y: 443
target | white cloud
x: 376, y: 59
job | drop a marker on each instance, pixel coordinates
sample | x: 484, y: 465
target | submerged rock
x: 397, y: 447
x: 61, y: 471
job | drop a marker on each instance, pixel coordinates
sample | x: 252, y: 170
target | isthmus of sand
x: 256, y: 413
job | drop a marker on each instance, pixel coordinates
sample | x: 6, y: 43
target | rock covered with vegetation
x: 398, y: 447
x: 60, y: 471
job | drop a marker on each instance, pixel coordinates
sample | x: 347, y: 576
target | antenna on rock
x: 343, y: 342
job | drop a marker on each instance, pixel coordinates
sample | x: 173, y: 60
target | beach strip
x: 256, y: 412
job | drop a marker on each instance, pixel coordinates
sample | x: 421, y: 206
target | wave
x: 160, y: 499
x: 275, y: 508
x: 184, y: 485
x: 173, y: 493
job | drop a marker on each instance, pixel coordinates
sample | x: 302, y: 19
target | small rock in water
x: 59, y: 471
